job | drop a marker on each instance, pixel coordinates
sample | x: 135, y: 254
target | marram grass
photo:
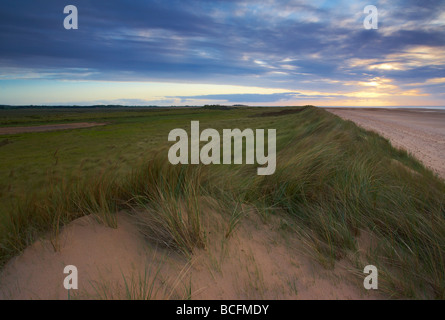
x: 334, y: 181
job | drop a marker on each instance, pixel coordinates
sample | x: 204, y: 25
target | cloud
x: 244, y: 98
x: 256, y: 97
x: 292, y: 45
x: 121, y: 102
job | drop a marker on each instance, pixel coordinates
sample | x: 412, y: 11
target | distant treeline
x: 74, y: 106
x: 115, y: 106
x: 216, y: 107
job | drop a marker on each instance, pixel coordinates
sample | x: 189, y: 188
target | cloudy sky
x: 177, y: 52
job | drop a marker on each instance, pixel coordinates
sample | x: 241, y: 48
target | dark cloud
x: 273, y: 44
x: 252, y: 97
x: 243, y: 98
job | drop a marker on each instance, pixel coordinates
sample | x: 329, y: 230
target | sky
x: 269, y: 53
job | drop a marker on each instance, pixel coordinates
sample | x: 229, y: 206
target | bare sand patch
x: 419, y: 131
x: 256, y: 261
x: 95, y: 250
x: 49, y: 127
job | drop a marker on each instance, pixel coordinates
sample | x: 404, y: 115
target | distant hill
x: 73, y: 106
x: 217, y: 107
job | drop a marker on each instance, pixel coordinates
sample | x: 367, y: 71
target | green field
x: 334, y: 181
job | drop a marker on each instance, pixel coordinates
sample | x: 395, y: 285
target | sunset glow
x: 223, y: 52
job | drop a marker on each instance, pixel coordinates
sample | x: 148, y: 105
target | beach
x: 419, y: 131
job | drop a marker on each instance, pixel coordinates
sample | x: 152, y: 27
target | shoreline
x: 419, y: 131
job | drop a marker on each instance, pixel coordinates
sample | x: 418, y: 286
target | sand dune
x: 420, y: 131
x: 256, y: 262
